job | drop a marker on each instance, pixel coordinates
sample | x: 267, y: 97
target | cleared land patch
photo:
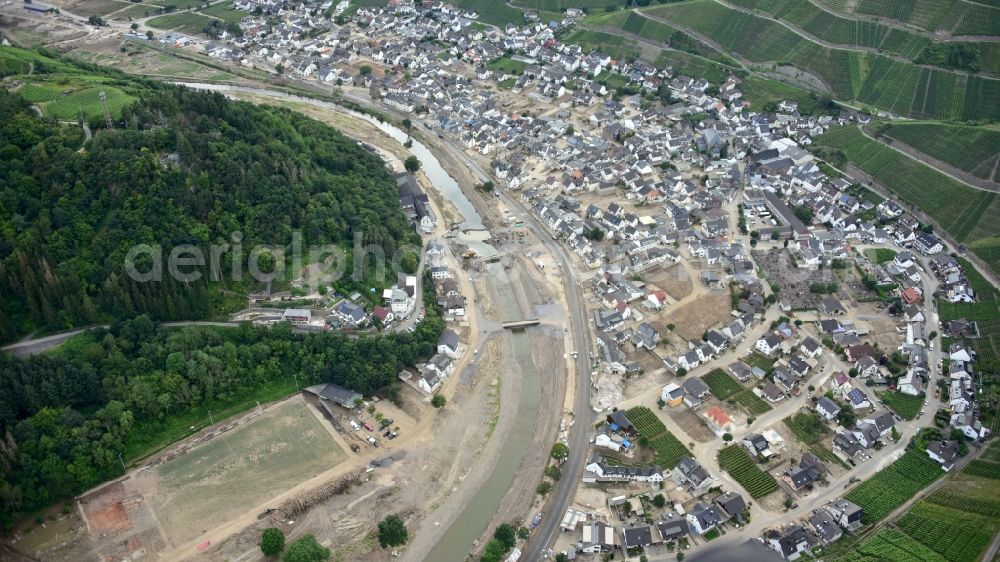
x: 235, y: 471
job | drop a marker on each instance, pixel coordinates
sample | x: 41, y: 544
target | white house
x: 768, y: 344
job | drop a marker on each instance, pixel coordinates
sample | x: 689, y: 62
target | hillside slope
x: 180, y: 167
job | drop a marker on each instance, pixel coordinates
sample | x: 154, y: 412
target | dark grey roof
x: 673, y: 529
x: 335, y: 393
x: 637, y: 536
x: 449, y: 338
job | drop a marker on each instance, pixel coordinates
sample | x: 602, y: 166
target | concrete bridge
x: 515, y: 324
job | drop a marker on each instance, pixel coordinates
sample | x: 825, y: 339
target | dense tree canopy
x: 181, y: 167
x: 65, y: 417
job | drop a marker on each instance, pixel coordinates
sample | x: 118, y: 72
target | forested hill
x: 179, y: 167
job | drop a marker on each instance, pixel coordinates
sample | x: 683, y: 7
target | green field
x: 893, y: 485
x: 241, y: 468
x: 225, y: 11
x: 969, y: 215
x: 894, y: 85
x: 492, y: 12
x: 880, y: 255
x: 508, y: 65
x: 721, y: 384
x: 614, y: 46
x: 188, y: 23
x: 903, y: 404
x: 737, y: 462
x: 973, y: 149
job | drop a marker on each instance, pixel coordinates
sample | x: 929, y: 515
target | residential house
x: 827, y: 408
x: 944, y: 453
x: 732, y: 505
x: 846, y: 513
x: 597, y: 537
x: 768, y: 344
x: 637, y: 537
x: 825, y: 527
x: 691, y: 474
x: 448, y: 344
x: 703, y: 518
x: 790, y: 542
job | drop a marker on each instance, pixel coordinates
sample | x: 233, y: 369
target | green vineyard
x: 645, y: 421
x: 893, y: 485
x: 958, y: 536
x: 983, y: 506
x: 668, y: 449
x: 895, y: 85
x: 890, y: 545
x: 737, y: 462
x: 721, y: 384
x: 983, y: 469
x: 752, y: 403
x: 966, y: 213
x: 973, y: 149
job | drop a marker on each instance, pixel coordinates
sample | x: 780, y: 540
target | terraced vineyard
x: 973, y: 149
x: 893, y: 485
x: 38, y: 93
x: 894, y: 85
x: 721, y: 384
x: 840, y: 30
x: 956, y: 16
x: 969, y: 215
x: 735, y: 460
x: 88, y: 101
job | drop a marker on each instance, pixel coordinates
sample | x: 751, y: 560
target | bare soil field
x: 32, y: 32
x: 691, y: 423
x: 240, y: 469
x: 700, y: 314
x: 674, y: 280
